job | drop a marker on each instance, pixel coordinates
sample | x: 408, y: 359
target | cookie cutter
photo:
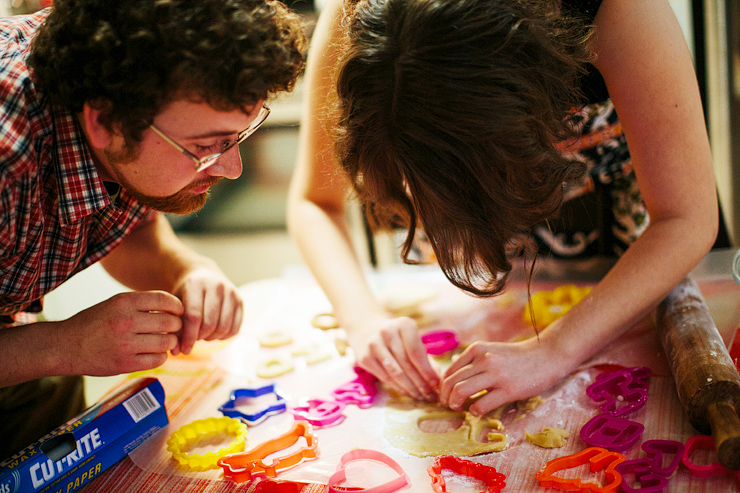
x: 319, y: 412
x: 548, y: 306
x: 199, y: 430
x: 598, y: 459
x: 494, y: 480
x: 238, y: 397
x: 243, y: 466
x: 439, y: 341
x: 610, y: 432
x: 656, y: 449
x: 650, y: 481
x: 703, y: 442
x: 629, y: 386
x: 395, y: 484
x: 361, y: 391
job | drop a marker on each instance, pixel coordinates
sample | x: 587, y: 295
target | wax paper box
x: 78, y: 451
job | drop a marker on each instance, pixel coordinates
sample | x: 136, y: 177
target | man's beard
x: 183, y: 202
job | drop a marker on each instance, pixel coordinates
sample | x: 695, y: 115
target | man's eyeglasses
x: 202, y: 163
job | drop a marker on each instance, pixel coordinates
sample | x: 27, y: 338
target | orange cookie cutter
x: 243, y: 466
x: 494, y: 480
x: 598, y: 459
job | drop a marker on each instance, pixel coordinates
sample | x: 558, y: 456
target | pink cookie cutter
x: 611, y: 433
x: 319, y: 412
x: 439, y: 341
x: 360, y: 391
x: 703, y: 442
x: 628, y: 386
x: 397, y: 483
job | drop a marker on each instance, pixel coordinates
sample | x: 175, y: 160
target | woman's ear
x: 92, y: 119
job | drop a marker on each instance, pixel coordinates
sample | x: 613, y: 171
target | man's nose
x: 228, y: 165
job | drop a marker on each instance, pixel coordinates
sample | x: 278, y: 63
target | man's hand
x: 128, y: 332
x: 213, y: 308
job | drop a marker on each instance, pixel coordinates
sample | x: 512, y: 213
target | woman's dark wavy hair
x: 447, y: 114
x: 136, y: 56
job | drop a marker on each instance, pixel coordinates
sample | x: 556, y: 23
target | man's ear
x: 93, y: 119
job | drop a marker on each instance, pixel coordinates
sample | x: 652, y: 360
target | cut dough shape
x: 275, y: 339
x: 274, y: 367
x: 402, y: 431
x: 548, y: 437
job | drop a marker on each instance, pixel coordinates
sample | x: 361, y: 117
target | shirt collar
x: 81, y: 190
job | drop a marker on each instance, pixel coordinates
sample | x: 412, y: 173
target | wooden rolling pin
x: 708, y: 383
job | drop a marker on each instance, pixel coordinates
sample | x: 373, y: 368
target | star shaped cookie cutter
x: 243, y: 466
x: 241, y: 397
x: 494, y: 480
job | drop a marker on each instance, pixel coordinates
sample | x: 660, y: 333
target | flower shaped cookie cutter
x: 319, y: 412
x: 439, y: 341
x: 202, y: 429
x: 241, y: 397
x: 395, y: 484
x: 243, y: 466
x: 629, y: 386
x: 703, y: 442
x: 610, y: 432
x: 598, y: 459
x: 494, y: 480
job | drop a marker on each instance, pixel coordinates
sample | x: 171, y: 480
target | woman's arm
x: 642, y: 55
x: 389, y: 348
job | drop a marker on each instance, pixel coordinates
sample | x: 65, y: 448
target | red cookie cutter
x: 622, y: 391
x: 361, y: 391
x: 494, y: 480
x: 703, y: 442
x: 401, y: 481
x: 242, y: 466
x: 611, y: 433
x: 598, y: 459
x: 650, y: 481
x: 440, y: 341
x: 319, y: 412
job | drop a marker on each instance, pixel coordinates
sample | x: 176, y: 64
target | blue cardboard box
x: 78, y: 451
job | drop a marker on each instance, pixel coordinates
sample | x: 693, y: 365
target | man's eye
x: 217, y: 146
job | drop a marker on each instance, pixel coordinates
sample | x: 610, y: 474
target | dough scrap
x: 275, y: 339
x: 402, y: 431
x: 548, y: 437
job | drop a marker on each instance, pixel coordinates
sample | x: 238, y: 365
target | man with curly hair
x: 113, y: 112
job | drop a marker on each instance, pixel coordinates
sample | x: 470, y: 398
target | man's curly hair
x: 447, y: 117
x: 136, y: 56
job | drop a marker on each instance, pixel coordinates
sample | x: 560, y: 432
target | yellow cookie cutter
x: 549, y: 306
x: 204, y: 429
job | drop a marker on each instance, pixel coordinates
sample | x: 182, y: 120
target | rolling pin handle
x: 725, y: 423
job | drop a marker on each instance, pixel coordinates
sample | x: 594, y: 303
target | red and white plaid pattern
x: 56, y: 217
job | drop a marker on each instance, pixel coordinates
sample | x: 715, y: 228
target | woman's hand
x: 391, y: 349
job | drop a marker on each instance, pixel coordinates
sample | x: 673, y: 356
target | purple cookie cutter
x: 611, y: 433
x: 650, y: 481
x: 656, y: 449
x: 628, y: 387
x: 439, y: 341
x: 242, y: 396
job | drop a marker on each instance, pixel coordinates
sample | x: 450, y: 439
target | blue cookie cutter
x: 230, y: 408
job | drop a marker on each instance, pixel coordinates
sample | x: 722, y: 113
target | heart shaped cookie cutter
x: 494, y: 480
x: 243, y: 466
x: 400, y: 481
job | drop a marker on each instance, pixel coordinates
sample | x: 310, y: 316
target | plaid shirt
x: 56, y: 217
